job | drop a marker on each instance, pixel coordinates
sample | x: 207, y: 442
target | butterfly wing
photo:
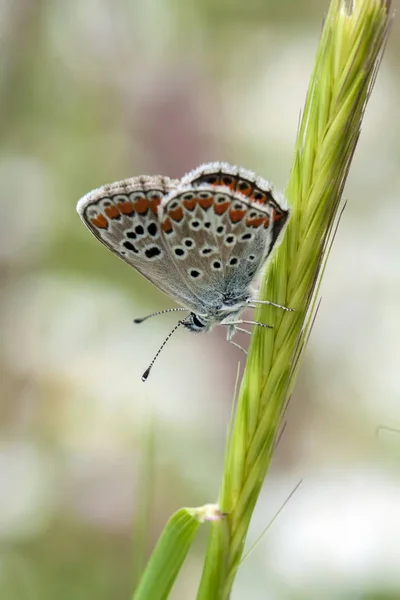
x: 218, y: 239
x: 255, y: 188
x: 201, y: 240
x: 124, y: 217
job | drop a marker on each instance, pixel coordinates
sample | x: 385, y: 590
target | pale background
x: 96, y: 91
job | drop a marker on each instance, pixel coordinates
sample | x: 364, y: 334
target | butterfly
x: 202, y: 240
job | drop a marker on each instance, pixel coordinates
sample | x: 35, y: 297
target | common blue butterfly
x: 202, y: 239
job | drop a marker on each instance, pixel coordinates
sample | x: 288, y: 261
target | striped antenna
x: 147, y: 371
x: 160, y: 312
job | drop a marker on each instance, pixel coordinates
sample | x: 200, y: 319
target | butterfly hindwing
x: 217, y: 238
x: 238, y: 179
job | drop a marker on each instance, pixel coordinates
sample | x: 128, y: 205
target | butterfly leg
x: 244, y: 322
x: 232, y: 329
x: 237, y: 346
x: 243, y: 330
x: 252, y: 301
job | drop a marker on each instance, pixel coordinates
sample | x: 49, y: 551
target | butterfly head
x: 229, y: 310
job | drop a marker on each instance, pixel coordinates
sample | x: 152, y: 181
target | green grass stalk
x: 348, y: 56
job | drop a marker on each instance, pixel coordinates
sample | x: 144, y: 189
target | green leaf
x: 171, y: 550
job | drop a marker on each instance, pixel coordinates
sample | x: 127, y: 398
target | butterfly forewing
x: 124, y: 217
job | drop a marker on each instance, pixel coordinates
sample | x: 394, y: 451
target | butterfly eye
x: 197, y: 322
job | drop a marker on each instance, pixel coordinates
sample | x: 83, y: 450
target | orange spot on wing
x: 219, y: 209
x: 176, y: 214
x: 141, y: 205
x: 190, y: 204
x: 154, y: 203
x: 126, y: 208
x: 231, y: 186
x: 236, y: 215
x: 246, y: 191
x: 256, y: 221
x: 100, y: 221
x: 277, y: 216
x: 112, y: 212
x: 259, y: 197
x: 206, y: 202
x: 267, y: 222
x: 166, y: 225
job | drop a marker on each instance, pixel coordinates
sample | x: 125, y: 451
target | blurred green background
x: 96, y: 91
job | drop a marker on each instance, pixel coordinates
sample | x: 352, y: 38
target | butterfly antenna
x: 147, y: 371
x: 159, y: 312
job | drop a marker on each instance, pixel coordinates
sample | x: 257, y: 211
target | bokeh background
x: 93, y: 462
